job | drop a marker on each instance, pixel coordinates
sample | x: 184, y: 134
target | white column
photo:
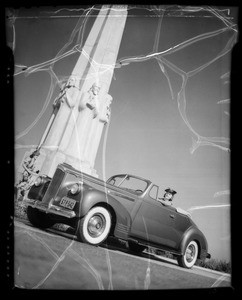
x: 85, y: 139
x: 75, y: 134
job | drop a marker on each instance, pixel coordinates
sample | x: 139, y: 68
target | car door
x: 154, y: 222
x: 127, y: 199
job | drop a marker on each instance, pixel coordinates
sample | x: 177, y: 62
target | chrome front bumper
x: 50, y: 209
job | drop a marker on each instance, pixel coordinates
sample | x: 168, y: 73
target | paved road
x: 47, y: 260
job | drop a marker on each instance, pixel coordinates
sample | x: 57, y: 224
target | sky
x: 178, y: 142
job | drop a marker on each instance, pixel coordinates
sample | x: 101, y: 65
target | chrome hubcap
x: 96, y: 225
x: 190, y: 253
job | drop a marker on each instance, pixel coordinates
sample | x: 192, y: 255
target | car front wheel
x: 95, y: 226
x: 188, y: 259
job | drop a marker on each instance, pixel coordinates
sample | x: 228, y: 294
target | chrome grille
x: 54, y: 185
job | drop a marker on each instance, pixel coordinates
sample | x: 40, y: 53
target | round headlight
x: 38, y: 181
x: 75, y: 188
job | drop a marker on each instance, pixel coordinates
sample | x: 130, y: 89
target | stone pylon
x: 83, y: 108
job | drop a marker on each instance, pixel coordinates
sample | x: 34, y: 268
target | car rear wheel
x: 38, y: 218
x: 95, y: 226
x: 188, y: 259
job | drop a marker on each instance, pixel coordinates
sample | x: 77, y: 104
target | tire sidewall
x: 84, y: 234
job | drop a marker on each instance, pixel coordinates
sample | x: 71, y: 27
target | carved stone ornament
x: 106, y: 110
x: 29, y: 173
x: 90, y: 100
x: 72, y: 82
x: 64, y: 96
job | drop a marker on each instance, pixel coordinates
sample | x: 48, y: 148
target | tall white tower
x: 75, y: 128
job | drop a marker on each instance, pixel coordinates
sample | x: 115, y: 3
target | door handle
x: 172, y: 216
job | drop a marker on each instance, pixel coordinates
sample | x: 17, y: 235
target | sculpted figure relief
x: 105, y: 112
x: 68, y: 93
x: 72, y: 91
x: 90, y: 100
x: 29, y: 173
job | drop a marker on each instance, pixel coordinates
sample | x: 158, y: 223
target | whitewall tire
x: 95, y: 226
x: 188, y: 259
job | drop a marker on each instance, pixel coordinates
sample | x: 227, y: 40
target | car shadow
x: 111, y: 243
x: 122, y: 246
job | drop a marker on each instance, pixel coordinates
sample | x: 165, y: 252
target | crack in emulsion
x: 222, y: 193
x: 39, y: 239
x: 68, y: 252
x: 147, y: 279
x: 197, y: 139
x: 208, y: 206
x: 89, y: 267
x: 58, y: 258
x: 181, y: 95
x: 165, y: 65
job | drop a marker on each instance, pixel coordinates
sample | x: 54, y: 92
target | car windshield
x: 128, y: 182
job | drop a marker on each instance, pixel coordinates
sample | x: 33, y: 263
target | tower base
x: 51, y: 159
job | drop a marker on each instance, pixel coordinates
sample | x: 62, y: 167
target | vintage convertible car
x: 125, y: 207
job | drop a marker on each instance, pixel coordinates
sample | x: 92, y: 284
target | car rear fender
x: 121, y: 214
x: 194, y: 234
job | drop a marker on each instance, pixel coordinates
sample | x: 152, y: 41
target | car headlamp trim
x: 75, y: 188
x: 39, y: 181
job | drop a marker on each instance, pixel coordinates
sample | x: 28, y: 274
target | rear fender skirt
x: 194, y: 234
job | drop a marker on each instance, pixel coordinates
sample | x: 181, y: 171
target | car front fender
x: 122, y: 216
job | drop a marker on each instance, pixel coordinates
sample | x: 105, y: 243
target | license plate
x: 68, y: 203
